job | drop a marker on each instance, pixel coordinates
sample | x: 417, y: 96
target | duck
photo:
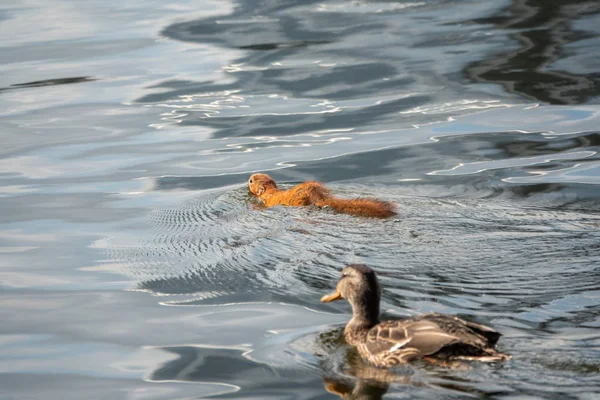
x: 433, y: 337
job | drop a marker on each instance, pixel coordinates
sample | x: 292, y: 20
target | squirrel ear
x: 261, y: 190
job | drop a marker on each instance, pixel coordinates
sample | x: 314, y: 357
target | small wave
x: 484, y: 257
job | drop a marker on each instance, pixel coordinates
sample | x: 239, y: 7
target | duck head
x: 359, y: 285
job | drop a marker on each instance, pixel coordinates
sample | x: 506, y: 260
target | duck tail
x: 360, y: 207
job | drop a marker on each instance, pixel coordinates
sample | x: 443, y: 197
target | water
x: 133, y: 265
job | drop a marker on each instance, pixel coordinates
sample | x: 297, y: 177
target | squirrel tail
x: 360, y: 207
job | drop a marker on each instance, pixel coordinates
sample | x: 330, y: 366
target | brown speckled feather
x: 389, y: 343
x: 430, y: 334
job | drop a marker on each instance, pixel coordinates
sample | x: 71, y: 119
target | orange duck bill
x: 331, y: 297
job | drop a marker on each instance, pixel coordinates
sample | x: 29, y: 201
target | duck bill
x: 331, y: 297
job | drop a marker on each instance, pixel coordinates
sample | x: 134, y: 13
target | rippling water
x: 134, y: 265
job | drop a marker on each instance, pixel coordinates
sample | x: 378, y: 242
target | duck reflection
x: 362, y: 390
x: 359, y: 380
x: 349, y: 376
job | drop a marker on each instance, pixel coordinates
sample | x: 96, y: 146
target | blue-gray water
x: 133, y: 265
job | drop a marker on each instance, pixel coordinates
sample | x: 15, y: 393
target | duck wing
x: 443, y: 336
x: 469, y: 332
x: 394, y: 342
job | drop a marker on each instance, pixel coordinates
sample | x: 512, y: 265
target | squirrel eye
x: 250, y: 180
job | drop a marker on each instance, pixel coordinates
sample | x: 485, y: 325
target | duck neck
x: 364, y: 317
x: 365, y: 314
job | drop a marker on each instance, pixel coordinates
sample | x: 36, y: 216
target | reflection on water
x: 49, y: 82
x: 317, y: 85
x: 362, y: 390
x: 546, y: 32
x: 219, y: 249
x: 132, y: 264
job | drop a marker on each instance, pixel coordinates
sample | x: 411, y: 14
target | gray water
x: 134, y: 266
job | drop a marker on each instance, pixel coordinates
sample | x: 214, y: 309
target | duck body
x: 440, y: 336
x: 429, y: 336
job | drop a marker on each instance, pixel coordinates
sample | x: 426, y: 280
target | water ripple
x: 218, y: 244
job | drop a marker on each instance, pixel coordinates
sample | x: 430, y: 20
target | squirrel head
x: 259, y: 183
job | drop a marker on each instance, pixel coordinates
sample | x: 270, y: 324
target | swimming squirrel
x: 315, y: 193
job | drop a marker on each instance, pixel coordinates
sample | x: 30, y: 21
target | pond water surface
x: 133, y: 264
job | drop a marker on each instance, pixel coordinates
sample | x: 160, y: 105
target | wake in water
x: 435, y: 251
x: 531, y: 272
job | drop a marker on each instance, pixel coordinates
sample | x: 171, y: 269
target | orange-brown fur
x: 315, y: 193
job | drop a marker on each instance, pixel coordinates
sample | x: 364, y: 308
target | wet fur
x: 315, y: 193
